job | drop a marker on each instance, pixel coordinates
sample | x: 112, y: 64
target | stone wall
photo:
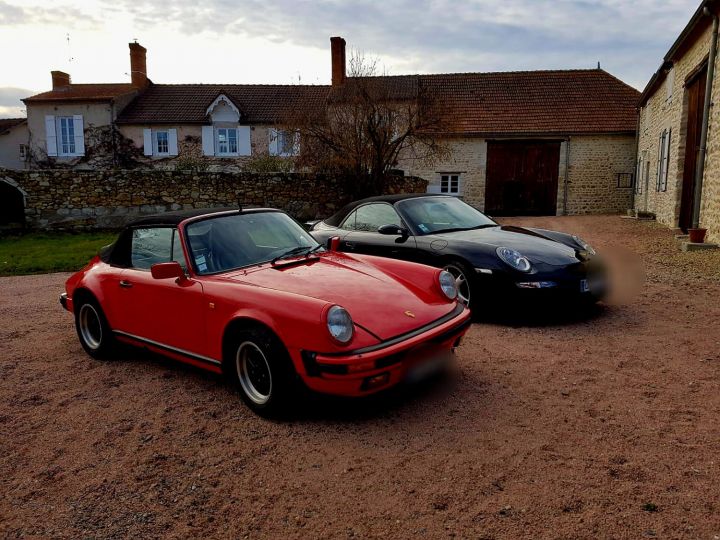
x: 666, y: 108
x: 107, y: 199
x: 594, y: 163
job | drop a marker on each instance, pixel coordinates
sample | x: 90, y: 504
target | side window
x: 177, y: 250
x: 349, y: 223
x: 151, y: 246
x: 370, y: 217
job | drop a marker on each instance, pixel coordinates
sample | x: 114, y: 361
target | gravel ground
x: 597, y: 427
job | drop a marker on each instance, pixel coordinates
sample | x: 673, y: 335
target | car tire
x: 259, y: 366
x: 93, y: 330
x: 463, y: 280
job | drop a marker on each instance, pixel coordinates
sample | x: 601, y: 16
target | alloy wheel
x: 461, y: 283
x: 90, y: 326
x: 253, y: 372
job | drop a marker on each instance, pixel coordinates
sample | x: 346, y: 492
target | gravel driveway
x: 602, y: 427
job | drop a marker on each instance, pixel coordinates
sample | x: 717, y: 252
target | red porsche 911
x: 249, y: 293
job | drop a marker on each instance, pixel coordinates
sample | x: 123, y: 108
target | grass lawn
x: 38, y: 253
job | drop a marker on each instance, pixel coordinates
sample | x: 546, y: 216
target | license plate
x: 427, y: 367
x: 584, y: 285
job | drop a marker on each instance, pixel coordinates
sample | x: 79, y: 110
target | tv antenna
x: 70, y: 56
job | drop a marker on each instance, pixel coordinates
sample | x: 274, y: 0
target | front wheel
x: 260, y: 367
x: 93, y: 329
x: 462, y: 281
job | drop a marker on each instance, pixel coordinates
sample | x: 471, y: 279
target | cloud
x: 13, y: 15
x: 628, y: 37
x: 10, y: 104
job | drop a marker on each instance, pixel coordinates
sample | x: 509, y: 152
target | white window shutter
x: 244, y: 148
x: 208, y: 141
x: 51, y: 136
x: 172, y: 142
x: 147, y: 142
x: 79, y: 135
x: 273, y: 146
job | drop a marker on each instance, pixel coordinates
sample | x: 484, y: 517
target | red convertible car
x: 249, y: 293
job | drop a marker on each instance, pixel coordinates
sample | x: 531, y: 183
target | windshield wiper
x: 458, y: 229
x: 297, y: 250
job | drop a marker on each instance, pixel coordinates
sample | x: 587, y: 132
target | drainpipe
x: 636, y: 160
x: 700, y: 171
x: 567, y: 175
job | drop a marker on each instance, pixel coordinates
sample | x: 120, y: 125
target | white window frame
x: 218, y: 145
x: 61, y: 142
x: 447, y: 178
x: 277, y: 140
x: 24, y: 154
x: 156, y: 142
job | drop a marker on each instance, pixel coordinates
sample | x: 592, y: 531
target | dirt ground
x: 605, y: 426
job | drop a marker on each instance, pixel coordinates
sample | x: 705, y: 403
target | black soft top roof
x: 338, y: 216
x: 175, y: 218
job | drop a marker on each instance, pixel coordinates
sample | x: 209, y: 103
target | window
x: 284, y: 142
x: 24, y: 153
x: 663, y: 160
x: 371, y: 217
x: 625, y: 180
x: 66, y: 135
x: 151, y: 246
x: 162, y: 143
x: 227, y: 141
x: 450, y: 184
x: 177, y: 254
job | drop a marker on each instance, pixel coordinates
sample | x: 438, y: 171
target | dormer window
x: 225, y: 137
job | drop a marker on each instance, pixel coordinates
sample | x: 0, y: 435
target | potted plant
x: 697, y: 236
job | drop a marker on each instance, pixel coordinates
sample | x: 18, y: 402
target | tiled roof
x: 523, y: 102
x: 84, y: 92
x: 188, y: 103
x: 532, y: 102
x: 6, y: 124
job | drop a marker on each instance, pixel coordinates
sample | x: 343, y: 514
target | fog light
x: 536, y: 284
x: 376, y: 381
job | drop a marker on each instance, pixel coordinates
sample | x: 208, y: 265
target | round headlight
x: 514, y: 258
x: 447, y: 284
x: 583, y: 244
x: 339, y: 324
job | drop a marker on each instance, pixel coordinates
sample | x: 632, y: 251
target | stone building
x: 536, y: 142
x: 670, y: 126
x: 13, y: 143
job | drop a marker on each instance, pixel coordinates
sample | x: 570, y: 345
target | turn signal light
x: 361, y: 366
x: 376, y: 381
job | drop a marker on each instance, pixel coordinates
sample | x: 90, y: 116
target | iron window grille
x: 625, y: 180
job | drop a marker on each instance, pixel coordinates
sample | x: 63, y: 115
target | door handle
x: 350, y: 245
x: 125, y: 284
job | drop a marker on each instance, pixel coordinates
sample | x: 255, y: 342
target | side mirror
x: 167, y: 270
x: 393, y: 230
x: 333, y: 243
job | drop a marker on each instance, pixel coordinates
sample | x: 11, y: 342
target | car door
x: 167, y: 312
x: 363, y: 237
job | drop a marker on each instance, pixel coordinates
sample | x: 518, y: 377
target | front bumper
x: 369, y: 370
x: 64, y: 301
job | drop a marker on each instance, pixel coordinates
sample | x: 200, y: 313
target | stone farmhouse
x: 13, y: 143
x: 678, y: 175
x: 536, y: 142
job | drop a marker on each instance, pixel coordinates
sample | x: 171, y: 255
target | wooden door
x: 696, y: 99
x: 522, y: 178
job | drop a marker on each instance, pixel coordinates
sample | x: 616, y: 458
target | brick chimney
x: 337, y: 53
x: 60, y: 80
x: 138, y: 68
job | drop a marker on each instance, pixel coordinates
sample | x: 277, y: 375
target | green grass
x: 38, y: 253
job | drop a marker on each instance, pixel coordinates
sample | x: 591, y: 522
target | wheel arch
x: 243, y: 322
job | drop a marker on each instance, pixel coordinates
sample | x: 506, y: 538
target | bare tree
x: 368, y: 125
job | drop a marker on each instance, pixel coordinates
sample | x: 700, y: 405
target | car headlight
x: 447, y: 284
x: 339, y: 324
x: 514, y: 258
x: 583, y: 244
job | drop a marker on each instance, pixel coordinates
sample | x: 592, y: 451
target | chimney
x: 60, y: 80
x: 337, y: 52
x: 138, y: 69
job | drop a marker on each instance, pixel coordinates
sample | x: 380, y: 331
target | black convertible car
x: 488, y: 260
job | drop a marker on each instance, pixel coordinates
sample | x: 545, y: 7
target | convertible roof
x: 338, y: 216
x: 175, y: 218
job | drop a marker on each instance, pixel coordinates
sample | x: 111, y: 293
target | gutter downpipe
x: 567, y: 176
x: 636, y: 160
x: 702, y: 150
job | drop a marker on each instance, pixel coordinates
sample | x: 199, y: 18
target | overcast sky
x: 287, y: 41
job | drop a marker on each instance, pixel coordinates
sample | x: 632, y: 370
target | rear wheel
x: 93, y: 329
x: 462, y: 281
x: 261, y: 369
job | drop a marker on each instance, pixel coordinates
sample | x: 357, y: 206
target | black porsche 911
x: 489, y: 260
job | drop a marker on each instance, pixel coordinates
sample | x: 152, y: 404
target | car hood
x: 376, y: 300
x: 534, y: 246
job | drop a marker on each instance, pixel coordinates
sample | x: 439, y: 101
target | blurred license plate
x: 584, y: 285
x: 428, y: 366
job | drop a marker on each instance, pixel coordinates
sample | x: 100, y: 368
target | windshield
x: 229, y: 242
x: 429, y: 215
